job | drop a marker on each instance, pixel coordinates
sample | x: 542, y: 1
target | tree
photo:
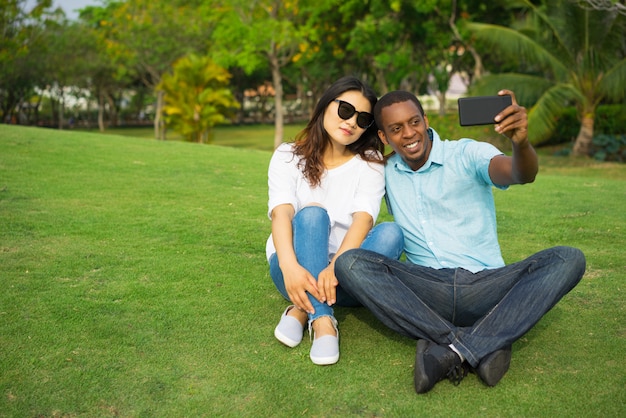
x: 23, y: 45
x: 196, y: 97
x: 152, y: 35
x: 107, y: 66
x: 604, y: 5
x: 444, y: 51
x: 67, y: 62
x: 501, y: 12
x: 568, y: 54
x: 324, y: 56
x: 390, y: 40
x: 257, y: 33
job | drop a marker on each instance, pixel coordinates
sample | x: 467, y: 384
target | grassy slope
x: 135, y: 284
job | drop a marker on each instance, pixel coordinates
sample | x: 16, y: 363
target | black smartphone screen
x: 482, y: 109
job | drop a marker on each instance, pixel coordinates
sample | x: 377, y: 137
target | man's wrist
x: 520, y: 145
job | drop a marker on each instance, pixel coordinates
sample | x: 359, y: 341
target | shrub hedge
x: 609, y: 120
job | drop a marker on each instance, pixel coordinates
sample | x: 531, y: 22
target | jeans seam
x: 373, y: 257
x: 454, y: 296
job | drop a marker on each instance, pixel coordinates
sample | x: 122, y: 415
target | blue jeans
x: 311, y: 233
x: 478, y: 313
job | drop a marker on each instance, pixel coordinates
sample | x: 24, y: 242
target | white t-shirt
x: 356, y: 186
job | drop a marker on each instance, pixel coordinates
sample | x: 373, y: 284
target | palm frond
x: 551, y: 18
x: 543, y: 116
x: 613, y: 82
x: 527, y: 88
x: 515, y: 45
x: 596, y: 28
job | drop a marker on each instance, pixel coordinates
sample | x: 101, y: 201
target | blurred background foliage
x: 565, y: 60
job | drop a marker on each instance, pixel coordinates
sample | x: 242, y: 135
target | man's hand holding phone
x: 510, y: 119
x: 482, y: 110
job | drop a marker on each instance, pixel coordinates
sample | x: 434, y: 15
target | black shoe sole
x: 420, y: 379
x: 493, y: 367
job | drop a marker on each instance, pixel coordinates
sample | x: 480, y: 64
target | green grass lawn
x: 134, y: 284
x: 260, y: 137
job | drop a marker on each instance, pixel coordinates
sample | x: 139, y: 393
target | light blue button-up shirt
x: 446, y: 208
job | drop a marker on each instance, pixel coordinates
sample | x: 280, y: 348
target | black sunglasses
x: 346, y: 111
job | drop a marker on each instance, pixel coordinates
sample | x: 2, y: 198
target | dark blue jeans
x: 477, y: 312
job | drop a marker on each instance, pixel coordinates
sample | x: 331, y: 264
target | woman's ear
x: 382, y: 137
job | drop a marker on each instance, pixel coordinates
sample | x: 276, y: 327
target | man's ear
x: 382, y: 137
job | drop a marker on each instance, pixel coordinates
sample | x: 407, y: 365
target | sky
x: 69, y: 6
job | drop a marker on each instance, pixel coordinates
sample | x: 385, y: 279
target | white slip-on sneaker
x: 289, y: 330
x: 325, y: 350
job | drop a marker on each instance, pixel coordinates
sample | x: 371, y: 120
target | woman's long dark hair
x: 311, y: 142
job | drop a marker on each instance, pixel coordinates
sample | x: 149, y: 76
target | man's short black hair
x: 394, y: 97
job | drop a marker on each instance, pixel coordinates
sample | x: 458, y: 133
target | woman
x: 324, y: 196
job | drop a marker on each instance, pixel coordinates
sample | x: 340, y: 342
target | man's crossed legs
x: 458, y: 315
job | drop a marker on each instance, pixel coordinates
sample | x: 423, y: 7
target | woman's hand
x: 327, y: 285
x: 327, y: 281
x: 298, y: 281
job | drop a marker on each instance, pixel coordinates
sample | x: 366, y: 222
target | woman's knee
x: 386, y: 239
x: 312, y: 215
x: 391, y: 233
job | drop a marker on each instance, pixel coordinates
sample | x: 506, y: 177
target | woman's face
x: 346, y: 131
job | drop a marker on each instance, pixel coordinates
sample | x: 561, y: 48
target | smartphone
x: 481, y: 110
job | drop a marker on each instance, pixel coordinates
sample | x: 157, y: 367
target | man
x: 455, y: 294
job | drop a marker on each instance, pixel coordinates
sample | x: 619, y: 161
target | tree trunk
x: 278, y: 100
x: 159, y: 131
x: 101, y: 112
x: 7, y: 106
x: 113, y: 117
x: 441, y: 96
x: 382, y: 81
x: 87, y: 120
x: 33, y: 113
x: 61, y: 109
x: 478, y: 62
x: 582, y: 146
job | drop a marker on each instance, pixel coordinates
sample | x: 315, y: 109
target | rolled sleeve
x: 282, y: 179
x: 370, y: 190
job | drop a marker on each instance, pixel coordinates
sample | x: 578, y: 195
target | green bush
x: 609, y: 148
x: 609, y: 120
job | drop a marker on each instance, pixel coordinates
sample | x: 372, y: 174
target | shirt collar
x: 435, y: 156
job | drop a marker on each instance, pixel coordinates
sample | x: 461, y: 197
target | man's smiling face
x: 405, y: 130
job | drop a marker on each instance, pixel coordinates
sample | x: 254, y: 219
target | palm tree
x: 197, y: 97
x: 570, y: 55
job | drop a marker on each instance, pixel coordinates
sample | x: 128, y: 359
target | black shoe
x: 494, y: 366
x: 434, y: 363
